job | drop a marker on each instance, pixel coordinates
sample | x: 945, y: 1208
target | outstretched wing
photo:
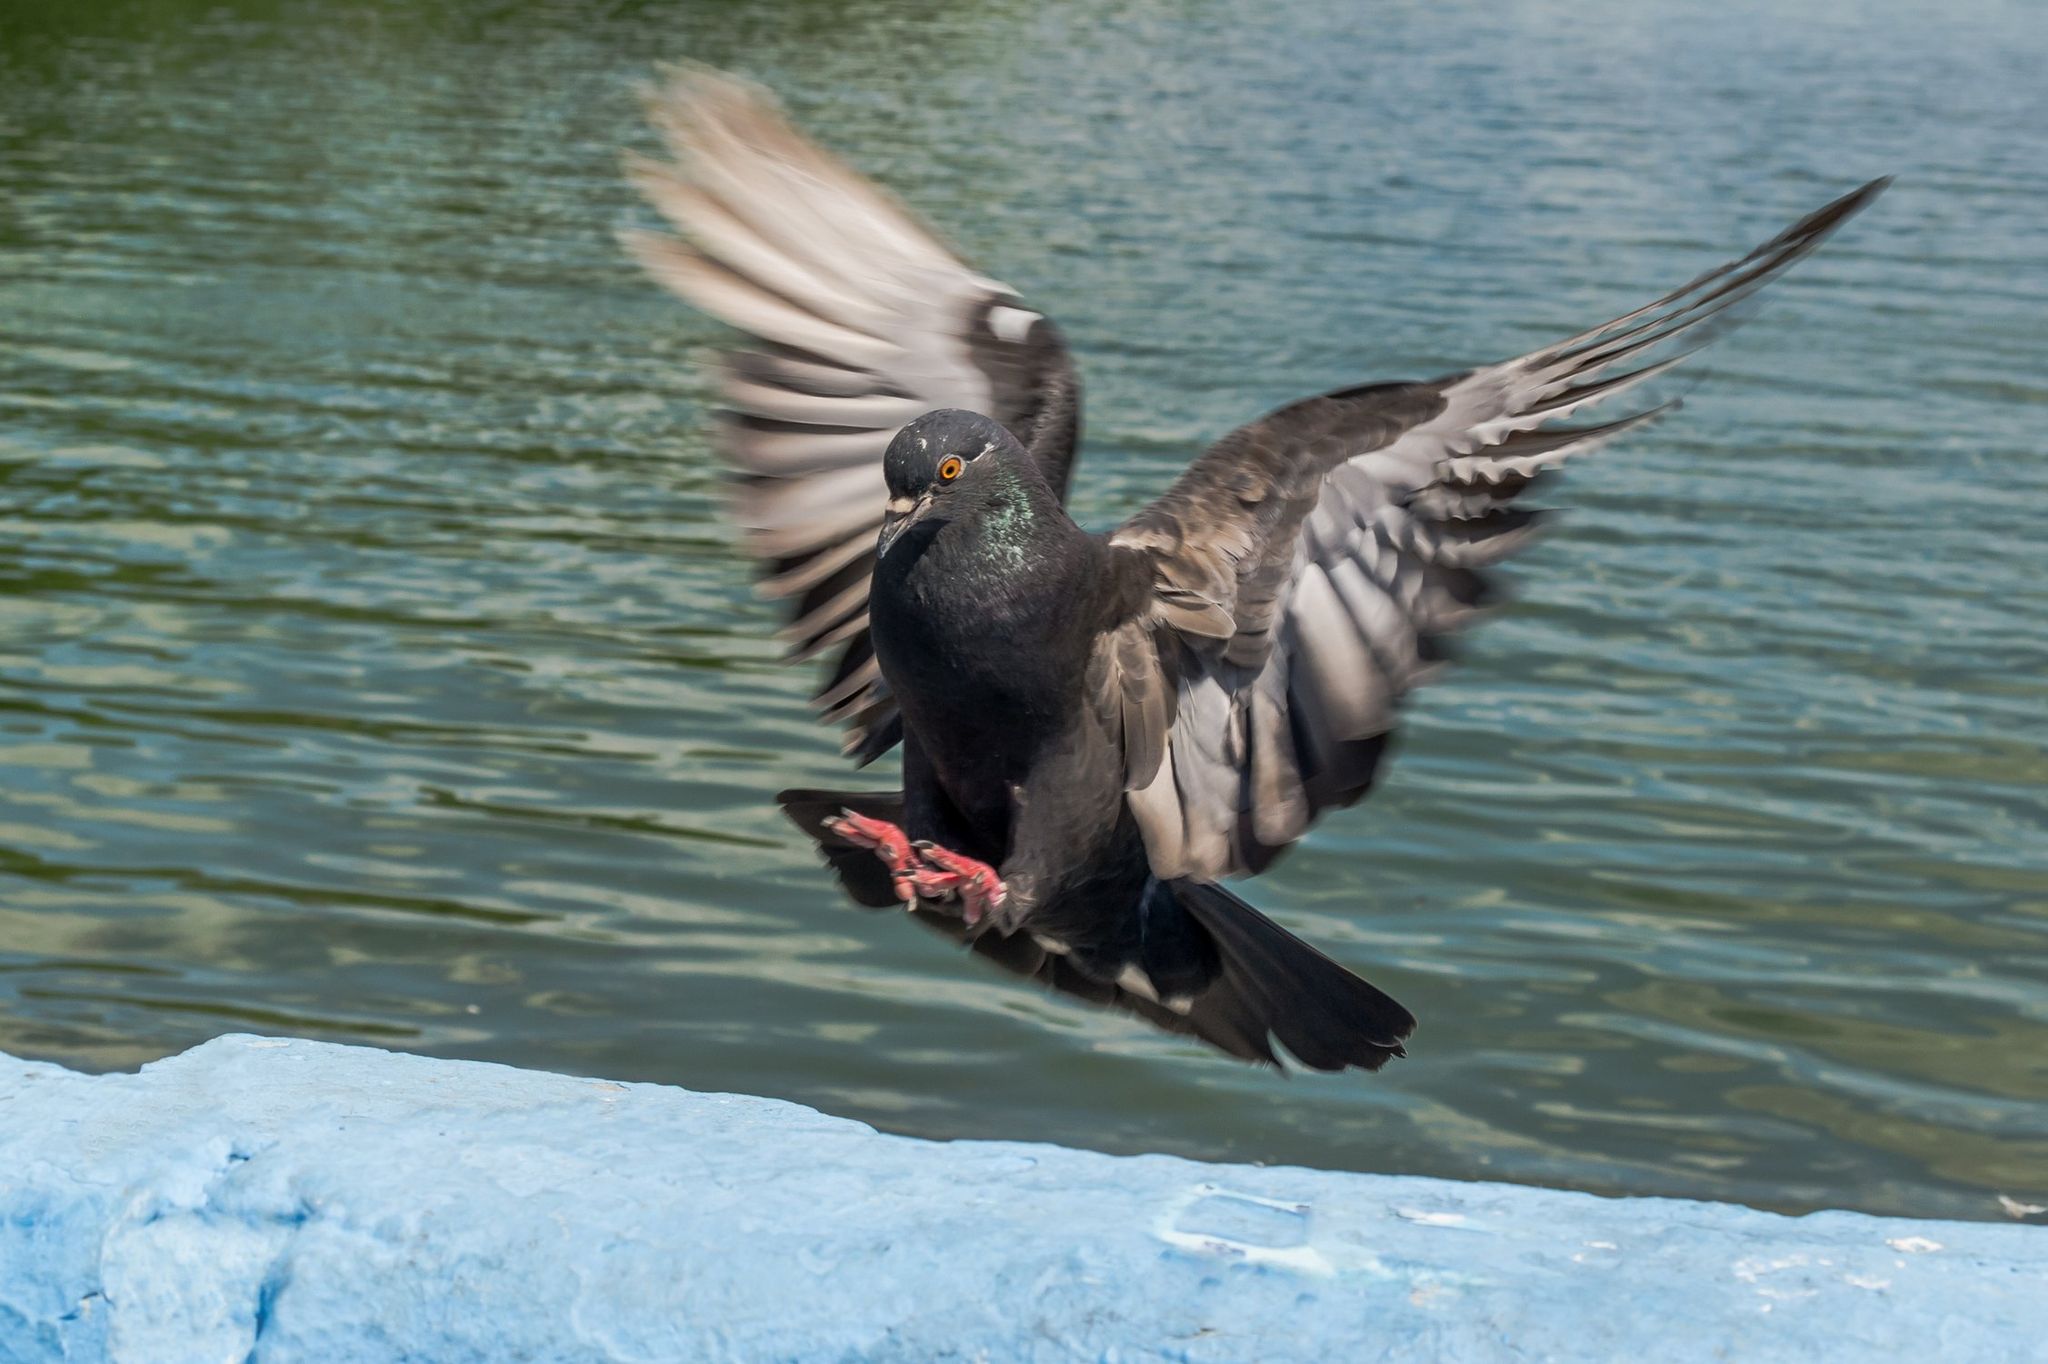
x: 1306, y: 568
x: 858, y: 320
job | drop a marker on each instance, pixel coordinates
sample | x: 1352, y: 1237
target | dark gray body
x: 983, y: 618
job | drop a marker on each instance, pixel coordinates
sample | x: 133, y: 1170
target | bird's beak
x: 902, y: 514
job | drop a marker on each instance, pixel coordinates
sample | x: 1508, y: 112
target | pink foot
x: 946, y: 873
x: 922, y: 870
x: 890, y: 844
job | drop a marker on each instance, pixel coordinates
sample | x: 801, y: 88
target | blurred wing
x: 858, y: 321
x: 1305, y: 570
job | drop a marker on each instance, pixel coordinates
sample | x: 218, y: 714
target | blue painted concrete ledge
x: 281, y: 1202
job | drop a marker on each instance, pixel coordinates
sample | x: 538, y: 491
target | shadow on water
x: 375, y: 662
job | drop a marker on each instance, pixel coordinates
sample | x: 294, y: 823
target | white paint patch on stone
x: 1433, y: 1219
x: 1750, y: 1270
x: 1301, y: 1257
x: 1913, y: 1245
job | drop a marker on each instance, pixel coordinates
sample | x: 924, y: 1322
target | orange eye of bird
x: 949, y: 468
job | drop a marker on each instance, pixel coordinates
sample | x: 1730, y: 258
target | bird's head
x: 944, y: 460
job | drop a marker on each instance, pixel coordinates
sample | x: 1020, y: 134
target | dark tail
x: 1272, y: 985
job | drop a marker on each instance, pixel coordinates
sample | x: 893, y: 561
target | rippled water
x: 375, y: 664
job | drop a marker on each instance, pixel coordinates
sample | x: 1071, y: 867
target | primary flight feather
x: 1097, y: 728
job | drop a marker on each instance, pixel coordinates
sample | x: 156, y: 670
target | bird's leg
x: 946, y: 872
x: 890, y: 844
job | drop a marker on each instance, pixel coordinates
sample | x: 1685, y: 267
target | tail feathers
x: 1274, y: 986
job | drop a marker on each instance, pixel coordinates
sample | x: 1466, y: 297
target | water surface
x: 376, y: 665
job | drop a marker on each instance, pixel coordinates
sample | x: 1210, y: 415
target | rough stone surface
x: 298, y: 1203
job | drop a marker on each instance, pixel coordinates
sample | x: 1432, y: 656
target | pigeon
x: 1099, y: 728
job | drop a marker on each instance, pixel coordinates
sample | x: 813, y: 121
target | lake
x: 377, y: 665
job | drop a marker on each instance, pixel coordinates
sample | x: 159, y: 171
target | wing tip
x: 1822, y: 222
x: 683, y: 82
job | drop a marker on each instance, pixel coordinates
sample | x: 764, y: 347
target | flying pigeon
x: 1098, y: 728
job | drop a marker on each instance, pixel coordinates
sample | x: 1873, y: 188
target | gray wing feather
x: 1307, y: 568
x: 860, y: 320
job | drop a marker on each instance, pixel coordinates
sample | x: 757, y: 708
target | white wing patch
x: 1010, y: 324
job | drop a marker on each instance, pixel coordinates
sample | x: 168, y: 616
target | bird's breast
x: 987, y: 668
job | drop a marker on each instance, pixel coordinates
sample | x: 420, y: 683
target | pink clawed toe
x: 948, y: 873
x: 924, y: 870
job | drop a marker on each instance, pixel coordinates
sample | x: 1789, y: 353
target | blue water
x: 376, y: 663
